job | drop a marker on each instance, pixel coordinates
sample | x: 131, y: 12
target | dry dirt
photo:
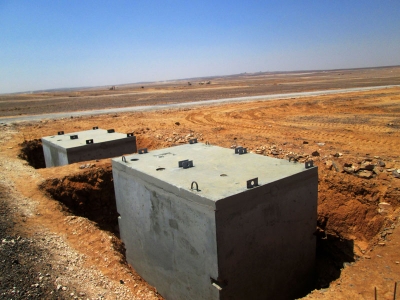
x: 68, y: 213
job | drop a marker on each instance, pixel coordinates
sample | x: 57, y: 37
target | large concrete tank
x: 205, y: 222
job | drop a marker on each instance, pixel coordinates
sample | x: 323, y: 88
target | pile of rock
x: 363, y: 168
x: 180, y: 138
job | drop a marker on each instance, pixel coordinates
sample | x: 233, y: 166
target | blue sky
x: 56, y: 44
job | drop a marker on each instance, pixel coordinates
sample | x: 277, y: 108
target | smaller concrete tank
x: 63, y: 149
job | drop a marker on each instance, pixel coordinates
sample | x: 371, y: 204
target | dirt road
x: 73, y: 114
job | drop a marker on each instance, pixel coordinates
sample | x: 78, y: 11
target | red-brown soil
x: 353, y: 138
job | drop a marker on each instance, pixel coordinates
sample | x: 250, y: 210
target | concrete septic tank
x: 196, y: 224
x: 63, y: 149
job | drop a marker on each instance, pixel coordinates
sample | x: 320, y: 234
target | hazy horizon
x: 189, y: 78
x: 68, y: 44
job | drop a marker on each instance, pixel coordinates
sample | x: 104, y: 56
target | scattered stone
x: 177, y: 123
x: 384, y: 208
x: 381, y: 244
x: 321, y: 144
x: 348, y: 170
x: 346, y: 264
x: 328, y: 164
x: 87, y: 166
x: 367, y: 166
x: 365, y: 174
x: 397, y: 262
x: 389, y: 231
x: 315, y: 153
x: 384, y: 205
x: 381, y: 163
x: 377, y: 170
x: 305, y: 142
x: 59, y: 286
x: 396, y: 173
x: 64, y: 288
x: 337, y: 167
x: 367, y: 257
x: 337, y: 154
x: 347, y: 165
x: 274, y: 152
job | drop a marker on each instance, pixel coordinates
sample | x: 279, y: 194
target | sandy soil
x: 353, y: 138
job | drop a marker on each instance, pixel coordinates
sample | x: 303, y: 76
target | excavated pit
x: 32, y: 152
x: 91, y: 194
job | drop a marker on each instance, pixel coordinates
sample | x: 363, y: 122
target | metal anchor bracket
x: 240, y: 150
x: 124, y: 159
x: 185, y: 164
x: 143, y: 151
x: 252, y: 183
x: 110, y: 130
x: 309, y: 164
x: 73, y: 137
x: 89, y: 141
x: 130, y: 134
x: 95, y: 128
x: 193, y: 141
x: 60, y: 132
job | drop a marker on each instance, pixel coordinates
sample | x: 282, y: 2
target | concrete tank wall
x: 54, y: 156
x: 170, y: 242
x: 223, y: 241
x: 266, y: 241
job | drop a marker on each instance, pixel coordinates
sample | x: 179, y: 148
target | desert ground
x: 58, y: 226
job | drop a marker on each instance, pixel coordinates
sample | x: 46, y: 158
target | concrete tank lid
x: 219, y: 172
x: 98, y: 135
